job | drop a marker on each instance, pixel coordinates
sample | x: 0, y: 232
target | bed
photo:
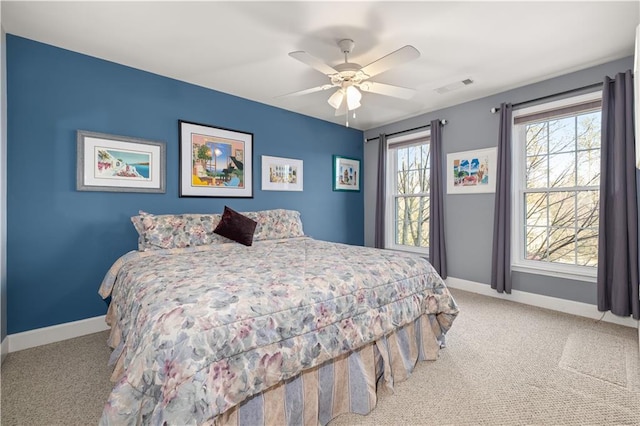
x: 286, y: 330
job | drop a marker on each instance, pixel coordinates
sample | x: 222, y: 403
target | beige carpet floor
x: 505, y: 364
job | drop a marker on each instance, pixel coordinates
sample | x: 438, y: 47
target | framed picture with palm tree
x: 215, y: 162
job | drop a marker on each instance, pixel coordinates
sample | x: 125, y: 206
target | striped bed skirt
x: 346, y: 384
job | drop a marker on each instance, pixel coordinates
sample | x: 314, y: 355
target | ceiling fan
x: 349, y: 77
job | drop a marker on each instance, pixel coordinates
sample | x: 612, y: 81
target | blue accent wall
x: 61, y: 242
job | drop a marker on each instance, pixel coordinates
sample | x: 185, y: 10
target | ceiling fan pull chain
x: 346, y: 107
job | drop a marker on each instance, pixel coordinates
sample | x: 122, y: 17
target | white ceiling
x: 241, y: 48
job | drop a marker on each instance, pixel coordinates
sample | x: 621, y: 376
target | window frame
x: 391, y: 185
x: 518, y: 161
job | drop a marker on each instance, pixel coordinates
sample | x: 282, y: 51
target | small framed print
x: 281, y: 174
x: 346, y: 174
x: 472, y: 172
x: 119, y: 163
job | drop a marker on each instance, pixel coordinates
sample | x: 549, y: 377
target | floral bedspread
x: 198, y: 330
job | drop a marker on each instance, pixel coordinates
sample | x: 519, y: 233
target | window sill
x: 421, y: 251
x: 587, y: 275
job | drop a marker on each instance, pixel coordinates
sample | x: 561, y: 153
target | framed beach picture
x: 346, y: 174
x: 281, y: 174
x: 471, y: 172
x: 215, y: 162
x: 119, y: 163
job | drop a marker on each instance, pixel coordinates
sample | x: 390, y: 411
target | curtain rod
x: 542, y: 98
x: 426, y: 126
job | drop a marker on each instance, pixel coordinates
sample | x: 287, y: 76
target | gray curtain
x: 437, y: 248
x: 381, y: 191
x: 618, y: 229
x: 501, y: 256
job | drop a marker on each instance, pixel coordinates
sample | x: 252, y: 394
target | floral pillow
x: 186, y: 230
x: 176, y: 231
x: 276, y: 224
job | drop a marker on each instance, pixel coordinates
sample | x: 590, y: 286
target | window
x: 408, y: 168
x: 556, y: 183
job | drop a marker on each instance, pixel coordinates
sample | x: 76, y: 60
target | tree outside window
x: 411, y: 195
x: 560, y: 189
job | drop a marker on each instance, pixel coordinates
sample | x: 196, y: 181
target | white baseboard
x: 547, y: 302
x: 55, y: 333
x: 4, y: 349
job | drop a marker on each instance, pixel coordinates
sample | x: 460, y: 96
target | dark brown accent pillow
x: 236, y: 227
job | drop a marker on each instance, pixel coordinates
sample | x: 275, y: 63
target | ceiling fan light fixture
x: 353, y: 98
x: 335, y: 100
x: 350, y: 78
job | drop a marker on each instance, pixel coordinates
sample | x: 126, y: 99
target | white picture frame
x: 282, y: 174
x: 472, y: 172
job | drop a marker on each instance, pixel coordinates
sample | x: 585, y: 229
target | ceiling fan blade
x: 387, y: 90
x: 313, y: 62
x: 307, y: 91
x: 400, y: 56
